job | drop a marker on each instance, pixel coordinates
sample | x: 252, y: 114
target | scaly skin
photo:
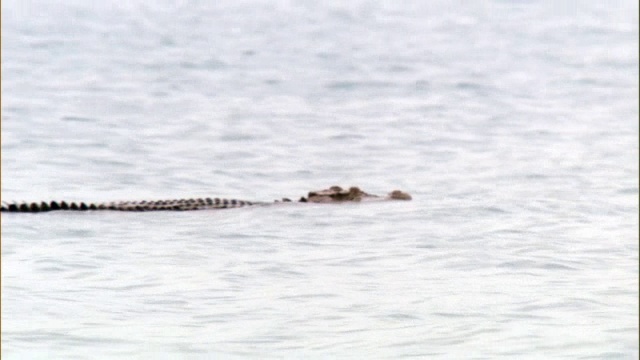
x: 334, y: 194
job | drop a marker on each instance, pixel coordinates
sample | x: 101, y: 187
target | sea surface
x: 514, y: 125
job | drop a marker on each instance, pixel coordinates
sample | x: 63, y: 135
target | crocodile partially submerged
x: 334, y: 194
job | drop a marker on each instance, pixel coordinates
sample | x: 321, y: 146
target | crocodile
x: 334, y: 194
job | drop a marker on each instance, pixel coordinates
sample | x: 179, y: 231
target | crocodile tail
x: 160, y: 205
x: 35, y: 207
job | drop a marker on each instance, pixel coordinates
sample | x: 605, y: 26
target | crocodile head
x: 337, y: 194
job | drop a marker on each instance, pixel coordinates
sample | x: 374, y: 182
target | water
x: 514, y: 125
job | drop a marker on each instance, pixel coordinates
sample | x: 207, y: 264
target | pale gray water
x: 513, y: 124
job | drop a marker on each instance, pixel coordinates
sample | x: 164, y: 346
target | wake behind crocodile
x: 334, y: 194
